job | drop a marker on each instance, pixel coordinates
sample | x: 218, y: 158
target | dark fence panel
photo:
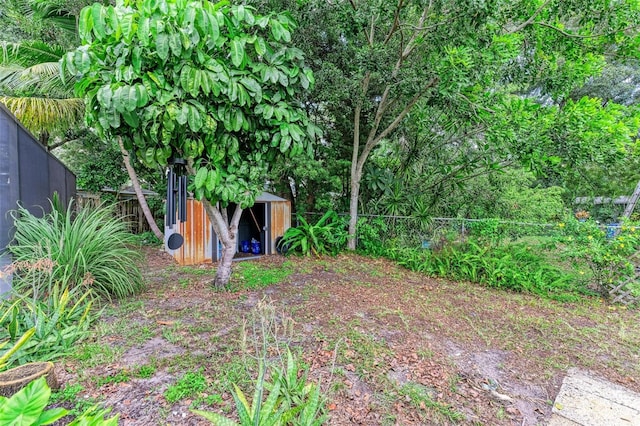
x: 29, y: 175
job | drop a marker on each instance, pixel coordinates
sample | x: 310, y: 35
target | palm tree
x: 30, y: 85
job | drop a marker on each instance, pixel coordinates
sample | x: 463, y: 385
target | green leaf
x: 212, y: 179
x: 195, y: 119
x: 136, y: 59
x: 201, y: 22
x: 97, y: 15
x: 82, y: 61
x: 128, y: 27
x: 175, y: 43
x: 104, y: 97
x: 277, y: 30
x: 144, y: 31
x: 253, y: 86
x: 285, y: 143
x: 239, y: 120
x: 237, y: 52
x: 25, y: 407
x: 201, y: 177
x: 162, y: 46
x: 268, y: 111
x: 132, y: 119
x: 183, y: 115
x: 261, y: 46
x: 85, y: 25
x: 141, y: 95
x: 215, y: 418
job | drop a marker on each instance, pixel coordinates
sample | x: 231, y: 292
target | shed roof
x: 266, y: 197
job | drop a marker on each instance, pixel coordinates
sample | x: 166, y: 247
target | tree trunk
x: 223, y: 273
x: 136, y: 187
x: 353, y: 209
x: 227, y: 232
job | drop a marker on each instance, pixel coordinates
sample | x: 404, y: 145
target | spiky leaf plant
x: 88, y: 248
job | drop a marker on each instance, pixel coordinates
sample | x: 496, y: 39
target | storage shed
x: 265, y: 222
x: 29, y: 174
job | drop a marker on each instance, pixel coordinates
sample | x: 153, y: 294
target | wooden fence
x: 126, y: 207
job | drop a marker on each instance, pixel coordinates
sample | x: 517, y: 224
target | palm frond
x: 50, y: 114
x: 43, y: 78
x: 28, y: 53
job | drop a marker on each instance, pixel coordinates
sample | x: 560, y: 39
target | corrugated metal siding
x: 280, y: 221
x: 197, y: 234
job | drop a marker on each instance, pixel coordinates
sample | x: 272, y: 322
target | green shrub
x: 514, y: 266
x: 372, y: 234
x: 52, y: 325
x: 327, y: 236
x: 290, y: 400
x: 28, y: 408
x: 608, y: 258
x: 88, y: 249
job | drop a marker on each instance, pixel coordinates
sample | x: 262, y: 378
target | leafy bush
x: 46, y: 329
x: 514, y: 266
x: 605, y: 252
x: 290, y: 400
x: 372, y: 234
x: 88, y: 248
x: 28, y: 408
x: 327, y: 236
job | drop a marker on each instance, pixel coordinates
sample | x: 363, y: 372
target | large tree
x: 378, y: 60
x: 214, y: 84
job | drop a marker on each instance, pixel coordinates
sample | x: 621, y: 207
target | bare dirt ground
x: 387, y: 346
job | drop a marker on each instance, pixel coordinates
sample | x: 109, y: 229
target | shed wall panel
x: 280, y: 221
x: 198, y: 237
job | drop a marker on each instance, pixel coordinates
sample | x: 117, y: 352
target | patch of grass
x: 188, y: 386
x: 68, y: 393
x: 184, y: 363
x: 365, y: 352
x: 184, y: 282
x: 171, y: 335
x: 120, y: 377
x: 210, y: 400
x: 145, y: 371
x: 69, y: 397
x: 94, y: 354
x: 252, y: 276
x: 422, y: 398
x: 195, y: 271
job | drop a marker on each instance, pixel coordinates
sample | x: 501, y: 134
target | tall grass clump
x: 88, y: 248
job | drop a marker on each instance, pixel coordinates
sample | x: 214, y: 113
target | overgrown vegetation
x: 566, y: 261
x: 45, y: 328
x: 87, y: 249
x: 282, y: 393
x: 328, y: 236
x: 28, y: 408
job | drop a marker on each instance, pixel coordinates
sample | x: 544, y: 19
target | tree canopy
x: 214, y: 84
